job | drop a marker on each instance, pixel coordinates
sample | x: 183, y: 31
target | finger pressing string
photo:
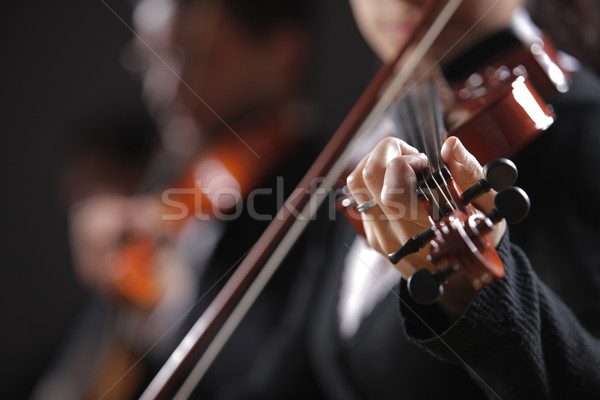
x: 466, y: 170
x: 375, y: 169
x: 400, y: 181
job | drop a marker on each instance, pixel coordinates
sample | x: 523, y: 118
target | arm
x: 516, y: 338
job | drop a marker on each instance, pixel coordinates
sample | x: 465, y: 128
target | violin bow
x: 239, y: 293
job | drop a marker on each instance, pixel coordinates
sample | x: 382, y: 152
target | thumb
x: 466, y: 170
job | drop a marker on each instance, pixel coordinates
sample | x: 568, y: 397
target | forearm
x: 516, y: 339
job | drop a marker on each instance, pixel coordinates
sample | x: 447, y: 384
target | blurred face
x: 152, y: 55
x: 220, y: 64
x: 386, y: 24
x: 213, y: 67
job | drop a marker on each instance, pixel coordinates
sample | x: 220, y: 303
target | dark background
x: 60, y: 60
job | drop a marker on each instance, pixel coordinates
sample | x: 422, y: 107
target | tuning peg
x: 499, y: 174
x: 412, y: 245
x: 426, y: 287
x: 512, y: 204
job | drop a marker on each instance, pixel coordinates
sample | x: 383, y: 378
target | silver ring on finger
x: 365, y: 206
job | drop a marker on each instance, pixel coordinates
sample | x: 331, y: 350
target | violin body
x: 481, y: 122
x: 211, y: 187
x: 516, y: 83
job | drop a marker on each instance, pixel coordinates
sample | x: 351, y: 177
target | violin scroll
x: 499, y: 174
x: 458, y: 238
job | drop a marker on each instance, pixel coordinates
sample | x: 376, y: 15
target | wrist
x: 458, y: 295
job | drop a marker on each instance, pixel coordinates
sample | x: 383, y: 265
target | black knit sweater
x: 517, y: 339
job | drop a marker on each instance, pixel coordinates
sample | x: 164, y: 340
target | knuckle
x: 389, y: 141
x: 372, y: 173
x: 353, y: 181
x: 393, y: 199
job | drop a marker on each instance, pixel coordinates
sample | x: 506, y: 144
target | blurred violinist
x: 223, y: 79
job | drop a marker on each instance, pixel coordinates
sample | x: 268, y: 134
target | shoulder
x: 580, y: 106
x: 574, y: 131
x: 584, y: 89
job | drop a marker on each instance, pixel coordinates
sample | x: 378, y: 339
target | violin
x: 478, y: 118
x: 211, y: 186
x: 457, y: 238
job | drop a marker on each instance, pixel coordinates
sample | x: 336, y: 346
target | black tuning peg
x: 412, y: 245
x: 499, y: 174
x: 512, y: 204
x: 426, y: 287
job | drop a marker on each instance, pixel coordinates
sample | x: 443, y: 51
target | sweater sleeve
x: 517, y: 339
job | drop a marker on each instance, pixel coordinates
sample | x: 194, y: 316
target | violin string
x: 410, y: 122
x: 401, y: 79
x: 435, y: 115
x: 424, y: 133
x: 415, y: 115
x: 420, y: 189
x: 421, y: 108
x: 433, y: 197
x: 426, y: 97
x: 416, y: 131
x: 443, y: 193
x: 407, y: 123
x: 439, y: 132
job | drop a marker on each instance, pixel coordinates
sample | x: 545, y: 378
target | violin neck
x: 419, y: 120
